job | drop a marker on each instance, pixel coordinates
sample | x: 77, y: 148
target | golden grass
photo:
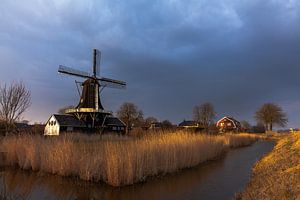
x: 116, y: 160
x: 277, y: 175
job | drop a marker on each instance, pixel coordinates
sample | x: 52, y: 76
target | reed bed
x: 241, y: 139
x: 117, y: 160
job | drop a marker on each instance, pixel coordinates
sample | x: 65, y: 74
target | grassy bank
x: 117, y: 160
x: 277, y: 175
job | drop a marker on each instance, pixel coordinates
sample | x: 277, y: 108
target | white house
x: 59, y: 123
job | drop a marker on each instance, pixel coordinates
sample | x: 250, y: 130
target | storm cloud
x: 172, y: 54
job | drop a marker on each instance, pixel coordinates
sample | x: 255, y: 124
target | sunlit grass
x: 117, y: 160
x: 277, y: 175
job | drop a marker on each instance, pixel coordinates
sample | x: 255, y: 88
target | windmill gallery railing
x: 86, y: 110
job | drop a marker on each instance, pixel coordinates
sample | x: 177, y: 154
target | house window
x: 228, y: 124
x: 222, y: 124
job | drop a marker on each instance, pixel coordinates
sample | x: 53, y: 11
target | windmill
x: 89, y: 109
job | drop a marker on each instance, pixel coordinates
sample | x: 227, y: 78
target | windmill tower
x: 89, y: 109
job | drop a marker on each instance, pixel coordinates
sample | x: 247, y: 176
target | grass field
x: 117, y: 160
x: 277, y: 175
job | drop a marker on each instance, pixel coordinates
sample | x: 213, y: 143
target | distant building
x: 155, y: 125
x: 228, y: 124
x: 114, y: 124
x: 190, y: 125
x: 58, y: 123
x: 22, y: 125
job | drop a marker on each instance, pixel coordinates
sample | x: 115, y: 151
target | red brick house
x: 228, y: 124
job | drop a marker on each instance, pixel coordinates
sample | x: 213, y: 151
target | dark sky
x: 236, y: 54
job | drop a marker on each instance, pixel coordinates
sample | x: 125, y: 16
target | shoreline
x: 277, y: 174
x: 122, y: 162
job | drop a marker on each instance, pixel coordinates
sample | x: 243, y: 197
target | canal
x: 219, y: 179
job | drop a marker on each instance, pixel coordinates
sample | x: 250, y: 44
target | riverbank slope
x: 277, y: 175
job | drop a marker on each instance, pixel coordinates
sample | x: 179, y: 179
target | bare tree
x: 63, y: 109
x: 204, y: 114
x: 271, y: 114
x: 130, y: 115
x: 14, y: 100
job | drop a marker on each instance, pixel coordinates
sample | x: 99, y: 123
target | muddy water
x: 214, y: 180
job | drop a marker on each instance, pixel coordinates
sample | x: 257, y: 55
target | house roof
x: 114, y: 121
x: 188, y: 123
x: 229, y: 118
x: 69, y: 120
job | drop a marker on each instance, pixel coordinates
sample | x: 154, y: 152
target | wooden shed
x: 57, y: 124
x: 228, y: 124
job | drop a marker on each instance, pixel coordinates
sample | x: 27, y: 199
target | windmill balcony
x: 86, y: 110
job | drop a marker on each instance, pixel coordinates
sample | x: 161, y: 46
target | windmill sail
x: 111, y: 83
x: 90, y: 109
x: 74, y: 72
x: 97, y: 62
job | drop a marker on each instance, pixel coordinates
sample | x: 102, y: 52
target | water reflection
x: 214, y: 180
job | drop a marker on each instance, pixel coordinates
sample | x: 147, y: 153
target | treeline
x: 133, y: 117
x: 267, y: 116
x: 15, y: 99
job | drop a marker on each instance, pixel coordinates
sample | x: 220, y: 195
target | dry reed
x: 116, y: 160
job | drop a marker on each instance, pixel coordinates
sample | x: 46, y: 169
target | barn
x: 228, y: 124
x: 114, y: 124
x: 63, y: 123
x: 59, y: 123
